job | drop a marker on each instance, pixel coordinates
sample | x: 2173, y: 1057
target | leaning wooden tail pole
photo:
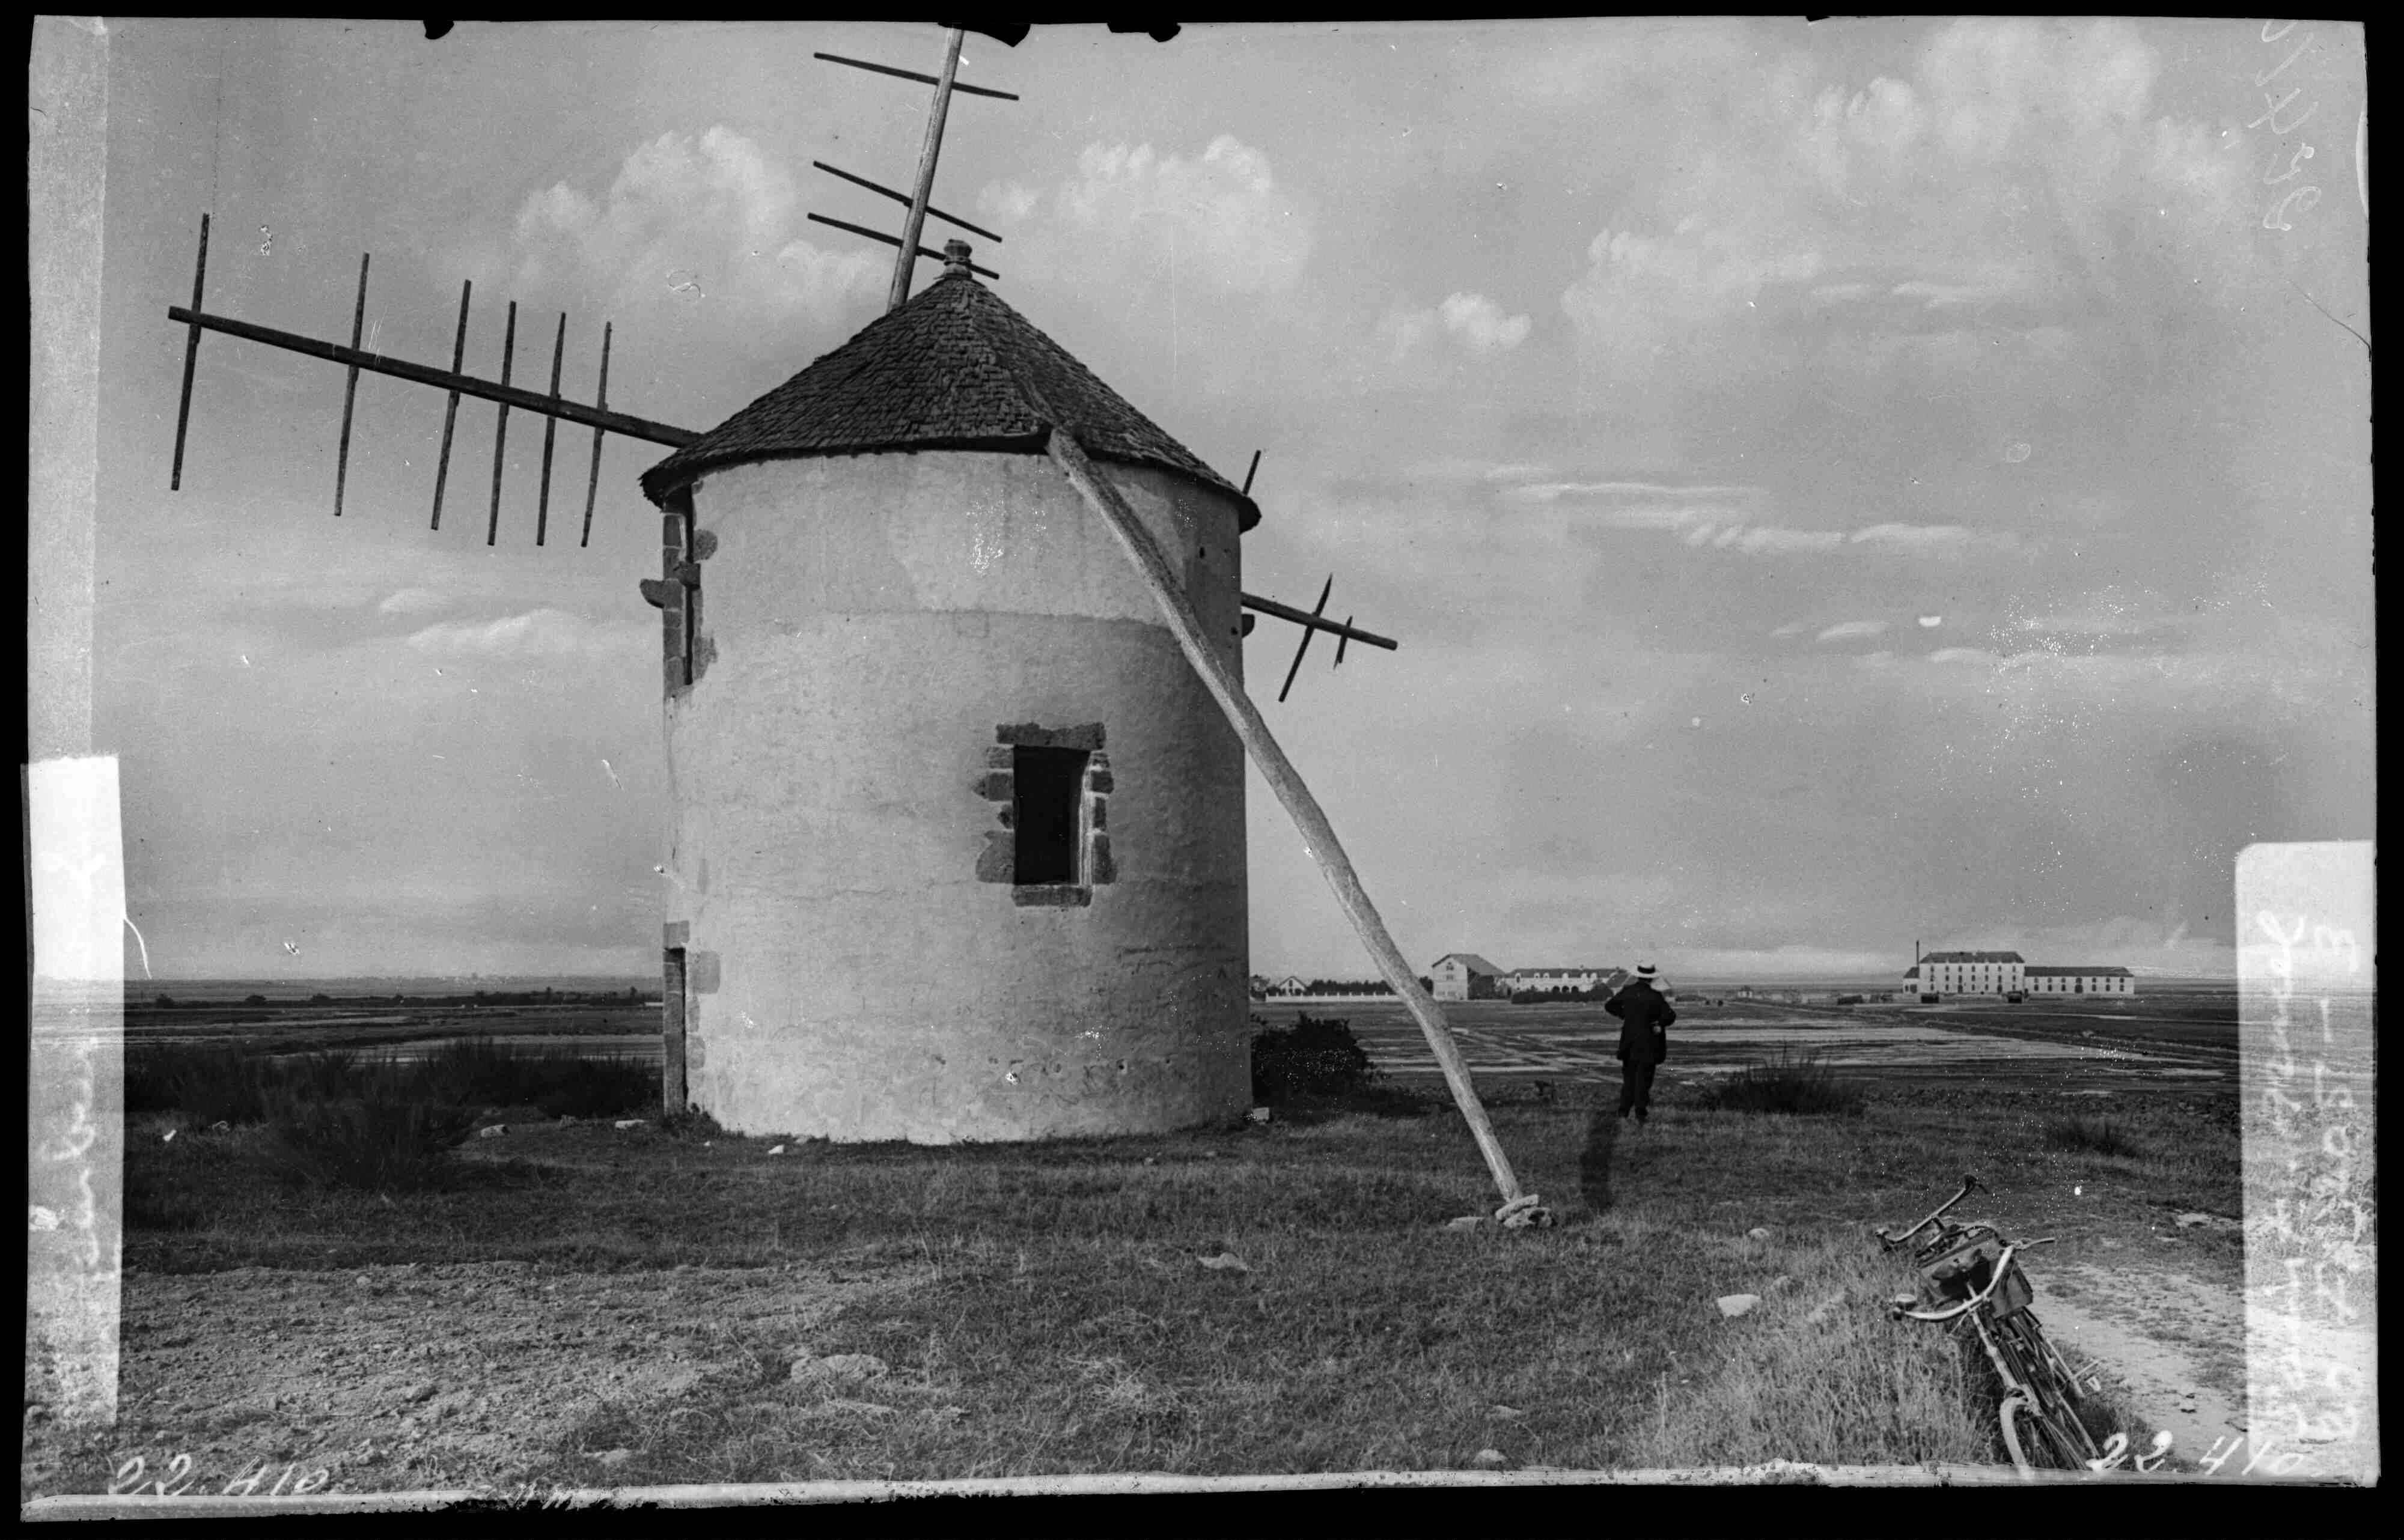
x: 1319, y: 835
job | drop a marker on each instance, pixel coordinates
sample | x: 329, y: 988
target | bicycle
x: 1968, y: 1271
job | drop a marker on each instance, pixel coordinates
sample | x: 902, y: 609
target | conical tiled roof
x: 953, y: 369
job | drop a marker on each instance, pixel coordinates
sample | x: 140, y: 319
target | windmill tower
x: 956, y: 723
x: 958, y: 843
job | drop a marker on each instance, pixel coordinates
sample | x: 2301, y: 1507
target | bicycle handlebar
x: 1970, y: 1184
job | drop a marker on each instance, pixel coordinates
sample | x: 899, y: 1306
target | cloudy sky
x: 1834, y: 485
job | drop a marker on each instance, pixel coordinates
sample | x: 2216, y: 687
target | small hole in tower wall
x: 1047, y: 805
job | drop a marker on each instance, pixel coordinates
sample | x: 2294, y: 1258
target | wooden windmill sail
x: 1032, y: 418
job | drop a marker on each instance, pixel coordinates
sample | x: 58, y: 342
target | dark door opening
x: 1047, y: 814
x: 672, y: 1083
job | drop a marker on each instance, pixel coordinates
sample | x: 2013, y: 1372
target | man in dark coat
x: 1642, y: 1042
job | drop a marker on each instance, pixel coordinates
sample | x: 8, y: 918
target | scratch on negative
x: 2325, y: 311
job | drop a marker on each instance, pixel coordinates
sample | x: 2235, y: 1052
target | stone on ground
x: 840, y: 1366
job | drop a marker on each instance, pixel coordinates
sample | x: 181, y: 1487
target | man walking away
x: 1644, y: 1042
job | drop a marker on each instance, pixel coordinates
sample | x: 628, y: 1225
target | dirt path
x: 2173, y: 1342
x: 418, y: 1376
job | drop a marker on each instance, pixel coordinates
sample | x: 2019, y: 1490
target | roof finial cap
x: 956, y: 259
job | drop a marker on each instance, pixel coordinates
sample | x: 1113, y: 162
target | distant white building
x: 1564, y: 979
x: 1949, y: 973
x: 1465, y: 975
x: 1973, y: 973
x: 2081, y: 980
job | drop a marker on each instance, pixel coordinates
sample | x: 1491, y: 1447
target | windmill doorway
x: 673, y: 1096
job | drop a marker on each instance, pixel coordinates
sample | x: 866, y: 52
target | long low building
x: 1943, y: 973
x: 1563, y: 980
x: 2054, y: 980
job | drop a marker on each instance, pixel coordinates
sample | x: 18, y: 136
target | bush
x: 1803, y: 1086
x: 2088, y: 1136
x: 1314, y: 1057
x: 224, y: 1084
x: 380, y: 1141
x: 690, y: 1123
x: 335, y: 1119
x: 601, y: 1088
x: 327, y: 1075
x: 207, y: 1085
x: 478, y: 1071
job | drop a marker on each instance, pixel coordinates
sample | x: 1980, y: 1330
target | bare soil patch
x: 2173, y: 1342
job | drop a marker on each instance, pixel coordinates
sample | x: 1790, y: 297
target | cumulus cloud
x: 1852, y: 628
x: 2036, y: 140
x: 1218, y: 220
x: 412, y: 601
x: 536, y: 634
x: 1635, y: 284
x: 692, y: 221
x: 1480, y: 324
x: 1471, y: 320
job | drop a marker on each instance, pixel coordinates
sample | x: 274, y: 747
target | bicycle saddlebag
x: 1964, y: 1268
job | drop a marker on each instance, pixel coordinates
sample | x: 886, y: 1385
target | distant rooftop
x: 2049, y: 971
x: 1469, y: 960
x: 1972, y: 957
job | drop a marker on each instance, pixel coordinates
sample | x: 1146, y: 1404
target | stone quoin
x: 958, y: 840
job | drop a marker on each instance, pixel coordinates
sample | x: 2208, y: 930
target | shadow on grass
x: 1372, y: 1100
x: 1594, y: 1160
x: 2090, y: 1135
x: 1800, y: 1086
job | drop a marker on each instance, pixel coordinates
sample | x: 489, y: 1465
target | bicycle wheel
x: 2051, y: 1393
x: 2038, y: 1439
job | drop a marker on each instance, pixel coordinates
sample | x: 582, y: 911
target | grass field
x: 293, y: 1021
x: 1051, y: 1313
